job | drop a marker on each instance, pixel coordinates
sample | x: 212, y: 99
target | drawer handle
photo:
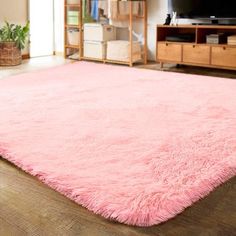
x: 224, y: 48
x: 194, y: 46
x: 167, y: 44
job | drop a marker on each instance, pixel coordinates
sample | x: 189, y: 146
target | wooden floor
x: 230, y: 74
x: 28, y: 207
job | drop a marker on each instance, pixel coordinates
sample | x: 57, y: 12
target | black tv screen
x: 203, y: 8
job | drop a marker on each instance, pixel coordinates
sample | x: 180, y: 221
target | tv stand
x: 224, y: 24
x: 197, y: 53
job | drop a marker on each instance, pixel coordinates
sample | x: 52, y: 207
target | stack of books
x: 232, y: 40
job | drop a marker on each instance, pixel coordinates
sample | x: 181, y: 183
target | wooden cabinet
x: 223, y: 56
x: 198, y: 52
x: 169, y: 52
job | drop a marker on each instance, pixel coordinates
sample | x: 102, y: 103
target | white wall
x: 157, y: 10
x: 15, y: 11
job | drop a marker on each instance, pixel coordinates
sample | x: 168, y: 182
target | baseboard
x: 61, y: 54
x: 25, y: 56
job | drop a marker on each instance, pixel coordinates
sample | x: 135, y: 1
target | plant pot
x: 10, y: 54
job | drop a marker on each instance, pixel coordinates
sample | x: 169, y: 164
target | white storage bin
x: 99, y: 32
x: 119, y: 50
x: 94, y: 49
x: 73, y: 36
x: 72, y: 1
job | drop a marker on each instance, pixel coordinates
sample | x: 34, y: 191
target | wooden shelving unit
x: 79, y: 47
x: 198, y: 52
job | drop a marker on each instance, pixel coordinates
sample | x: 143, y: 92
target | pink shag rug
x: 137, y: 146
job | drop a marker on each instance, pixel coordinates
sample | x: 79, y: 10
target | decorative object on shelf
x: 139, y: 37
x: 168, y: 20
x: 174, y: 18
x: 12, y: 40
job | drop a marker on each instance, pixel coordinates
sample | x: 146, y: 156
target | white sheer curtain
x: 41, y: 16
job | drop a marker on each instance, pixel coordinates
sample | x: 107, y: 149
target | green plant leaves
x: 15, y: 33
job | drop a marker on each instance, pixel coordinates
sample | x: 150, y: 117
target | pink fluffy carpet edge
x: 174, y: 208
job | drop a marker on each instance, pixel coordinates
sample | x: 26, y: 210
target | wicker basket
x: 10, y: 55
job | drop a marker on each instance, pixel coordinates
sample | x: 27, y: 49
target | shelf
x: 72, y: 46
x: 73, y: 59
x: 202, y: 44
x: 170, y: 42
x: 72, y: 5
x: 199, y: 26
x: 92, y: 59
x: 72, y: 26
x: 217, y: 45
x: 107, y: 61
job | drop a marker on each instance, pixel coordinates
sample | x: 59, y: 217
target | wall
x: 157, y: 10
x: 15, y: 11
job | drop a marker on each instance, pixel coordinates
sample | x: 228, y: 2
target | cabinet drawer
x: 223, y: 56
x: 169, y: 52
x: 199, y: 54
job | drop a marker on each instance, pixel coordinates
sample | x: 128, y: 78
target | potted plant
x: 12, y: 40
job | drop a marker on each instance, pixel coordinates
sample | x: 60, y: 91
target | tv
x: 204, y: 9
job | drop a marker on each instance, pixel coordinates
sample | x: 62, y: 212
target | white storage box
x: 73, y: 36
x: 231, y: 40
x: 119, y: 50
x: 96, y: 50
x: 99, y: 32
x: 72, y: 1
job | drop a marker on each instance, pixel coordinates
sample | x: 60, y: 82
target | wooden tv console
x: 197, y: 53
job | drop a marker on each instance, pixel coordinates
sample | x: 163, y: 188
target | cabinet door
x: 224, y: 56
x: 199, y: 54
x: 169, y: 52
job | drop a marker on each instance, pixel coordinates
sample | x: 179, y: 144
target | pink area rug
x: 132, y: 145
